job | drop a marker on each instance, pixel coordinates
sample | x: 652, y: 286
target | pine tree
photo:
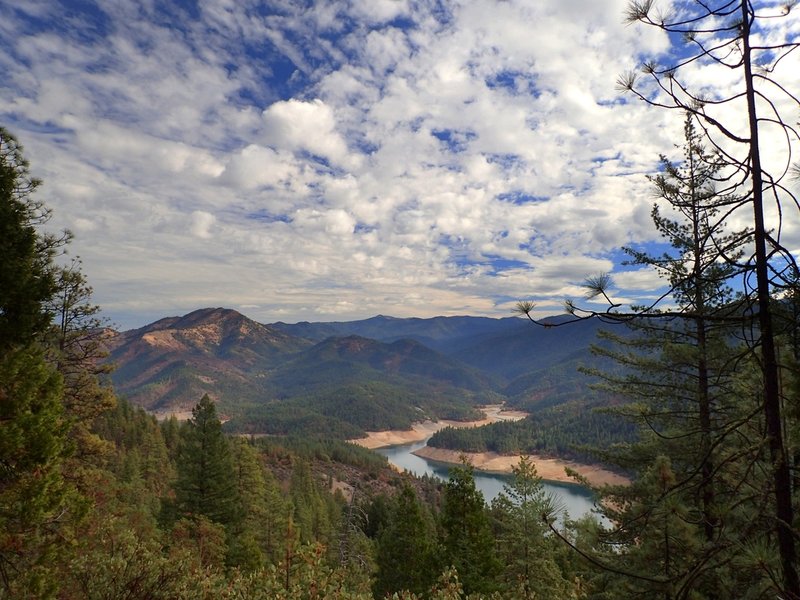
x: 523, y: 541
x: 676, y: 529
x: 406, y: 552
x: 257, y: 538
x: 314, y: 515
x: 27, y: 270
x: 747, y: 41
x: 75, y: 347
x: 205, y: 485
x: 468, y: 544
x: 36, y: 503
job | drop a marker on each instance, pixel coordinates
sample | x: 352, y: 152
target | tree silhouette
x: 751, y: 46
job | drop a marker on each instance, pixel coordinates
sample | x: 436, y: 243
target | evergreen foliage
x: 316, y: 514
x: 75, y: 347
x: 700, y: 469
x: 36, y: 503
x: 523, y: 544
x: 258, y: 538
x: 205, y: 484
x: 573, y: 430
x: 407, y: 552
x: 327, y: 449
x: 467, y: 541
x: 27, y: 271
x: 729, y: 37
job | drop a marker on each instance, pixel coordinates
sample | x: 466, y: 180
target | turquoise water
x: 572, y: 499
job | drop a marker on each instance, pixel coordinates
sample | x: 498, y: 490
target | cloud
x: 336, y: 162
x: 310, y: 126
x: 201, y: 224
x: 258, y: 166
x: 640, y: 280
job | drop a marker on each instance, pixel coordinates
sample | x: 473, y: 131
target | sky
x: 321, y: 161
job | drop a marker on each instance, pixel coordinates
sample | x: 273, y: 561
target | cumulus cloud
x: 355, y: 158
x: 201, y: 224
x: 639, y: 280
x: 257, y: 166
x: 310, y: 126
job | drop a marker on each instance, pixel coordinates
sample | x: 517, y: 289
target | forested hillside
x: 574, y: 430
x: 331, y: 379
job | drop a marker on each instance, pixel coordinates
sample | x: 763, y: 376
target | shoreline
x: 421, y: 431
x: 549, y: 469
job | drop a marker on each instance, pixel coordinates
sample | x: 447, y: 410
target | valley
x: 548, y: 468
x: 381, y: 380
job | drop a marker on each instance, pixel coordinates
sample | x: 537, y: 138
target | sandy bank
x: 424, y: 430
x: 551, y: 469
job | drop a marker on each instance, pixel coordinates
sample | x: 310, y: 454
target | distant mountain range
x: 343, y: 378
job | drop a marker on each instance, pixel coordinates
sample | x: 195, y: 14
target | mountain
x: 370, y: 385
x: 503, y: 348
x: 520, y: 347
x: 402, y: 359
x: 440, y: 333
x: 343, y: 378
x: 168, y: 365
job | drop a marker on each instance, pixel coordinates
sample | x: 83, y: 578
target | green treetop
x: 467, y: 535
x: 205, y: 484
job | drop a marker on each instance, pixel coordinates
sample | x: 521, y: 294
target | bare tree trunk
x: 769, y: 366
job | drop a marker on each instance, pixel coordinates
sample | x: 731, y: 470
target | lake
x: 574, y: 499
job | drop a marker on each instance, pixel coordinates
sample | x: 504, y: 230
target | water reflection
x: 575, y: 500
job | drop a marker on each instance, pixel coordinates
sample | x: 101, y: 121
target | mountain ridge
x: 272, y: 375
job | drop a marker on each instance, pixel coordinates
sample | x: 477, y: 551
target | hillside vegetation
x: 332, y: 379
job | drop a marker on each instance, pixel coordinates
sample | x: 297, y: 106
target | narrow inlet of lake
x: 575, y: 500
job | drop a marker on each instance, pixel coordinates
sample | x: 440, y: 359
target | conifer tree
x: 314, y: 515
x: 406, y: 553
x: 205, y: 485
x: 695, y: 501
x: 468, y: 544
x: 753, y: 45
x: 75, y: 347
x: 27, y: 270
x: 256, y: 539
x: 523, y: 540
x: 749, y: 43
x: 36, y: 503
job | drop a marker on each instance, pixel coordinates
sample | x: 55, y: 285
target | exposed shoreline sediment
x: 421, y: 431
x: 550, y: 469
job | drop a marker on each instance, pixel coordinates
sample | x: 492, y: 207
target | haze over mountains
x: 343, y: 378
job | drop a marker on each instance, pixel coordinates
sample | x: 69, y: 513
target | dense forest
x: 576, y: 430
